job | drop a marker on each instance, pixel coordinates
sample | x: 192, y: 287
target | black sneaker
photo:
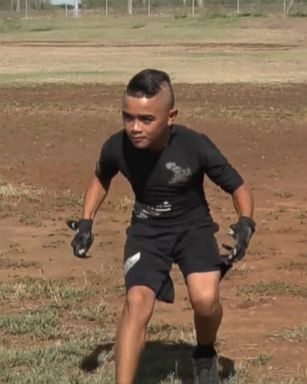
x: 205, y: 370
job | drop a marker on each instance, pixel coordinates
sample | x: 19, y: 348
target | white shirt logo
x: 180, y: 175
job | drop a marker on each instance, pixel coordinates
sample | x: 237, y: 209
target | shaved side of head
x: 148, y: 83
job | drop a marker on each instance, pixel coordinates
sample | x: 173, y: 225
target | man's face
x: 147, y: 120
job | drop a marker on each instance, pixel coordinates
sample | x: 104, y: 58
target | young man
x: 165, y: 164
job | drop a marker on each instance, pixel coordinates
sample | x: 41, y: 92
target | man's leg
x: 204, y: 296
x: 203, y: 290
x: 130, y: 336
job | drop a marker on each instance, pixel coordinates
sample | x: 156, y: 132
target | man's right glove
x: 242, y: 233
x: 83, y: 238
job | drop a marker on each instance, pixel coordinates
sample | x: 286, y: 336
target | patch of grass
x: 298, y: 14
x: 283, y: 194
x: 164, y: 331
x: 294, y: 266
x: 7, y: 263
x: 241, y: 270
x: 30, y: 219
x: 98, y: 314
x: 69, y: 199
x: 250, y: 14
x: 271, y: 288
x: 123, y: 203
x: 138, y: 26
x: 261, y: 359
x: 293, y: 334
x: 58, y: 363
x: 42, y: 29
x: 10, y: 25
x: 8, y: 191
x: 217, y: 15
x: 55, y: 290
x: 41, y: 323
x: 245, y: 375
x: 55, y: 76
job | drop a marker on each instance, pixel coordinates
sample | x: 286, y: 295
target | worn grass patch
x: 163, y: 331
x: 272, y: 288
x: 6, y: 263
x: 293, y: 334
x: 68, y: 199
x: 98, y: 313
x: 294, y: 266
x: 8, y: 191
x: 57, y: 291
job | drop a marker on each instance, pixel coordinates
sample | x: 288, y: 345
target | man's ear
x: 172, y: 116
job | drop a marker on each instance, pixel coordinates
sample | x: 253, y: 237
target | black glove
x: 83, y: 238
x: 242, y: 232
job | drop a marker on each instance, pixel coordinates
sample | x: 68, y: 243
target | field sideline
x: 193, y: 50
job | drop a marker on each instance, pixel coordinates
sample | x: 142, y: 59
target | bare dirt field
x: 49, y: 141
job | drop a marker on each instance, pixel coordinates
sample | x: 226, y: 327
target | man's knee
x: 139, y: 303
x: 205, y: 304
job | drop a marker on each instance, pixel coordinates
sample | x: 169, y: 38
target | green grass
x: 57, y: 291
x: 58, y: 363
x: 41, y: 323
x: 119, y: 29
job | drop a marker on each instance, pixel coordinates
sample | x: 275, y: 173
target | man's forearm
x: 243, y: 201
x: 94, y: 196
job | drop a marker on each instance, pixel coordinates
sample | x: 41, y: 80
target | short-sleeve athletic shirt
x: 168, y: 185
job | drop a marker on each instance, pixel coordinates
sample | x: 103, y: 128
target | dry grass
x: 8, y: 191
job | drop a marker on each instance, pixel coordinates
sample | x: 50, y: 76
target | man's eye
x: 147, y: 119
x: 127, y: 117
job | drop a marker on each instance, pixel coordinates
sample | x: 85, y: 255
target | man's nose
x: 135, y: 126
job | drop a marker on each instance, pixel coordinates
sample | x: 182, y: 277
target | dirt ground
x: 49, y: 140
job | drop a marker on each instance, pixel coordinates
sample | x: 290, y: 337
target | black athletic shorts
x: 150, y: 253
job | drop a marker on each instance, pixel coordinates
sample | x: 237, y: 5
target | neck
x: 163, y: 142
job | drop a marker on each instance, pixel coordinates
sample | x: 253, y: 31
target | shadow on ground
x: 159, y: 361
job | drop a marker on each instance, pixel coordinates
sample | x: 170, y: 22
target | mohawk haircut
x: 149, y: 83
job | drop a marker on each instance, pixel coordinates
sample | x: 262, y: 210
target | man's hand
x: 83, y: 238
x: 242, y: 233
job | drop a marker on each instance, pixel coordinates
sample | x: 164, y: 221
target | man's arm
x: 243, y: 230
x: 243, y: 201
x: 95, y: 194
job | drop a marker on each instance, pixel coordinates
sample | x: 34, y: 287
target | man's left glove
x: 83, y: 238
x: 242, y: 233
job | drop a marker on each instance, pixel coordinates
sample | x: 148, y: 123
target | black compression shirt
x: 168, y: 185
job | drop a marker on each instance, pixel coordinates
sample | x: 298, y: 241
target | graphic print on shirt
x: 180, y: 174
x: 143, y: 211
